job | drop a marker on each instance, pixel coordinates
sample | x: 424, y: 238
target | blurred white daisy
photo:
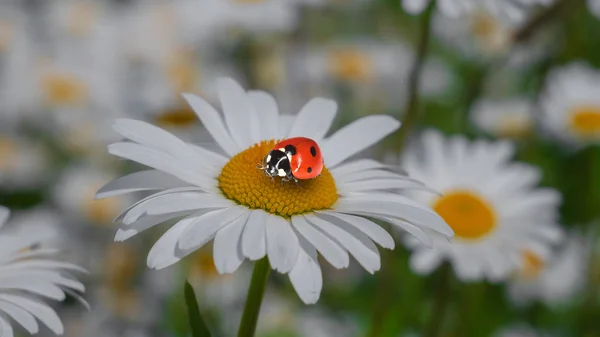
x: 492, y: 205
x: 570, y: 104
x: 515, y: 9
x: 510, y: 118
x: 226, y: 198
x: 594, y: 7
x: 551, y: 277
x: 373, y: 68
x: 520, y: 330
x: 24, y: 163
x: 74, y: 193
x: 28, y: 277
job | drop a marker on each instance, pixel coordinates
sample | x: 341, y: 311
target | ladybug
x: 297, y: 158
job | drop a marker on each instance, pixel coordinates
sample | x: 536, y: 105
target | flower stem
x: 436, y: 324
x: 412, y: 106
x: 258, y: 284
x: 556, y: 10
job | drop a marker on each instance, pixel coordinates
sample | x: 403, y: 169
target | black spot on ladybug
x: 291, y: 149
x: 309, y: 170
x: 313, y: 151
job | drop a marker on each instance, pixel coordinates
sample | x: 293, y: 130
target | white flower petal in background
x: 510, y: 118
x: 493, y: 206
x: 515, y: 9
x: 293, y: 233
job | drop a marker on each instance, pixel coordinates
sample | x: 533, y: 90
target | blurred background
x: 68, y: 68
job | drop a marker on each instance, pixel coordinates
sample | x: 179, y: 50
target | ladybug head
x: 277, y: 163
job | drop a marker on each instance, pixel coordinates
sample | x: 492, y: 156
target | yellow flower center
x: 350, y: 65
x: 585, y: 121
x: 203, y: 266
x: 181, y: 72
x: 514, y: 127
x: 64, y: 90
x: 8, y: 154
x: 241, y: 181
x: 6, y: 34
x: 100, y: 211
x: 489, y: 32
x: 177, y: 117
x: 121, y: 266
x: 470, y: 216
x: 532, y: 265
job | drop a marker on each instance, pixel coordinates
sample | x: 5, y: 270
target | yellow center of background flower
x: 514, y: 127
x: 532, y: 265
x: 469, y: 215
x: 585, y: 120
x: 350, y: 65
x: 177, y: 117
x: 241, y: 181
x: 8, y: 154
x: 64, y: 90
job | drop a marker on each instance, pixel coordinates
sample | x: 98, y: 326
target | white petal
x: 414, y: 6
x: 331, y: 251
x: 306, y: 276
x: 144, y: 223
x: 213, y: 123
x: 424, y: 261
x: 410, y: 228
x: 21, y: 316
x: 268, y: 113
x: 38, y: 309
x: 227, y: 250
x: 314, y: 119
x: 240, y: 114
x: 4, y: 214
x: 364, y: 251
x: 356, y: 137
x: 176, y: 202
x: 285, y: 124
x: 139, y: 181
x: 282, y: 244
x: 175, y: 190
x: 371, y: 229
x: 160, y: 161
x: 149, y: 135
x: 254, y: 244
x: 436, y: 222
x: 6, y: 329
x: 41, y: 288
x: 381, y: 184
x: 162, y: 254
x: 358, y: 166
x: 204, y: 228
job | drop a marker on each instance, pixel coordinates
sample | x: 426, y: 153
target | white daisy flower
x: 553, y: 278
x: 228, y: 199
x: 491, y: 204
x: 74, y: 193
x: 510, y: 118
x: 28, y: 277
x: 515, y: 9
x: 570, y: 104
x: 594, y: 7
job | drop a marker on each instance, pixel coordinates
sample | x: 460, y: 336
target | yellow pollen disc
x: 177, y: 117
x: 469, y: 215
x: 585, y: 120
x: 100, y: 211
x: 350, y: 65
x: 61, y: 90
x: 532, y: 265
x: 241, y: 181
x: 8, y: 154
x: 203, y: 266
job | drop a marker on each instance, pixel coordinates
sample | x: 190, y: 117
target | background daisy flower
x: 509, y: 118
x: 28, y: 278
x: 513, y: 8
x: 226, y: 198
x: 570, y: 104
x: 493, y: 206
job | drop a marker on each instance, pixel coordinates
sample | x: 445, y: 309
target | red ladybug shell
x: 306, y: 158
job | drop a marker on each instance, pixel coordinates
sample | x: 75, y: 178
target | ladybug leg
x: 297, y: 184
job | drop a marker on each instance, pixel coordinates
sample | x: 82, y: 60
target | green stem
x: 412, y: 106
x: 258, y: 285
x: 436, y: 323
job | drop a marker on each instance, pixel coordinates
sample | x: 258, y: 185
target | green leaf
x: 197, y: 324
